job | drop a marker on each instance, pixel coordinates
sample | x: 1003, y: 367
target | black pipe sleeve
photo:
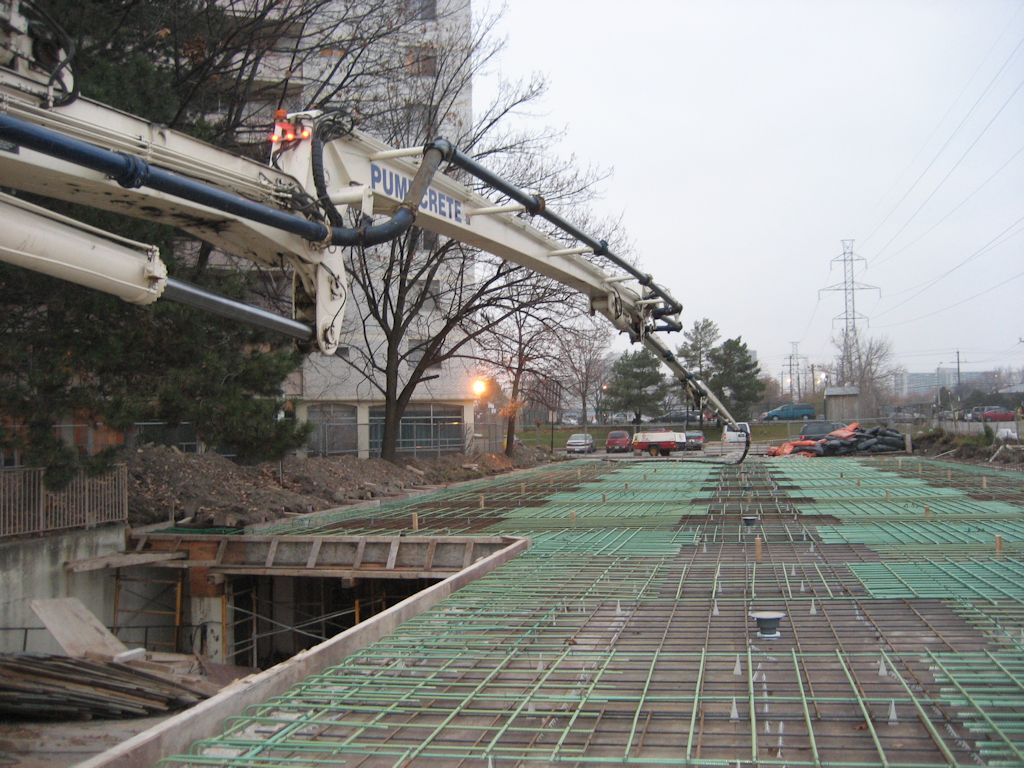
x: 133, y: 172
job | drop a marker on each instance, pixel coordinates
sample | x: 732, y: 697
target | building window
x: 421, y: 10
x: 428, y: 428
x: 415, y: 353
x: 417, y: 348
x: 334, y: 429
x: 421, y: 61
x: 430, y: 292
x: 428, y: 240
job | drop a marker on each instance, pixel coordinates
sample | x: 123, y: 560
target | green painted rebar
x: 864, y: 710
x: 806, y: 709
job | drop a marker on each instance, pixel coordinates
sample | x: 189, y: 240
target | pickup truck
x: 658, y: 443
x: 730, y: 435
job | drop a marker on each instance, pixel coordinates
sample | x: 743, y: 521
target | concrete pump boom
x: 71, y: 149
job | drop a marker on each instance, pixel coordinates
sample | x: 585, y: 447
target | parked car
x: 678, y: 417
x: 790, y: 412
x: 580, y: 443
x: 815, y: 430
x: 694, y: 440
x: 730, y: 435
x: 905, y: 418
x: 975, y: 413
x: 618, y: 441
x: 996, y: 413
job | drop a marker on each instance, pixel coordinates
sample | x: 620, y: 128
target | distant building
x: 925, y: 385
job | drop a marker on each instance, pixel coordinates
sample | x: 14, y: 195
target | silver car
x: 580, y: 443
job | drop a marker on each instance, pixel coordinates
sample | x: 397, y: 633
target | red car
x: 995, y: 413
x: 618, y: 441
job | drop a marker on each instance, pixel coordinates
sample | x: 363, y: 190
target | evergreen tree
x: 72, y: 354
x: 636, y: 385
x: 735, y: 377
x: 696, y: 349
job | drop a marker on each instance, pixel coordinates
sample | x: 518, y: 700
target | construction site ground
x: 623, y: 635
x: 165, y: 483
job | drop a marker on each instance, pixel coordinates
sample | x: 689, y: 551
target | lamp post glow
x: 479, y: 387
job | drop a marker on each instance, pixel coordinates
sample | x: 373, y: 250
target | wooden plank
x: 467, y: 560
x: 431, y: 548
x: 75, y: 628
x: 360, y: 549
x: 342, y: 572
x: 270, y: 553
x: 120, y: 560
x: 314, y: 553
x: 220, y: 550
x: 392, y: 554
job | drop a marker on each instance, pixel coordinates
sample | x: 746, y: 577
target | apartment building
x: 343, y: 395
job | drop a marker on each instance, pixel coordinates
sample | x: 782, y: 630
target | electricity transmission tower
x: 848, y: 366
x: 793, y: 361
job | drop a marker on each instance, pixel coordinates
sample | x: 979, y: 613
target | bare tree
x: 584, y: 352
x: 222, y: 68
x: 421, y: 300
x: 871, y: 368
x: 526, y: 343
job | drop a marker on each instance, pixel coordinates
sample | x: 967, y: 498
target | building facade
x: 342, y: 395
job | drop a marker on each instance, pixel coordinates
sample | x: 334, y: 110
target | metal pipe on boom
x: 536, y: 206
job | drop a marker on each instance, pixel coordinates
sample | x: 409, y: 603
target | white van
x: 730, y: 435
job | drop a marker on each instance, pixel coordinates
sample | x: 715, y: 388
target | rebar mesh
x: 623, y: 635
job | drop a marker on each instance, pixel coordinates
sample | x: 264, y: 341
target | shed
x: 842, y: 403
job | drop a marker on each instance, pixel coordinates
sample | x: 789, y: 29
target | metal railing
x: 416, y: 437
x: 28, y: 507
x: 152, y: 637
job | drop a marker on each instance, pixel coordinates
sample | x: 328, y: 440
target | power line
x: 951, y: 170
x: 990, y: 245
x: 946, y: 143
x: 814, y: 311
x: 957, y: 304
x: 1006, y: 28
x: 954, y: 209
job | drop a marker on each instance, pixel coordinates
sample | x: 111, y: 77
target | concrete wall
x: 34, y: 567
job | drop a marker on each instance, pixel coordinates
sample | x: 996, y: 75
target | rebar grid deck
x: 623, y: 635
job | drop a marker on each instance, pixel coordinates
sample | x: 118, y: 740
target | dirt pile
x: 165, y: 484
x: 978, y: 449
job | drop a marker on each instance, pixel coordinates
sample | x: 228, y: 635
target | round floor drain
x: 768, y: 624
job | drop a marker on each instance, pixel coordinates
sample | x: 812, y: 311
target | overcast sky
x: 747, y: 139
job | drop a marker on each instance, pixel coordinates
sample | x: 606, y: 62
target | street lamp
x: 479, y: 387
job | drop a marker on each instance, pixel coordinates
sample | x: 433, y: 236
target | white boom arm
x: 90, y: 154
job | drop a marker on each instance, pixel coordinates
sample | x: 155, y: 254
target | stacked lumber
x: 43, y: 686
